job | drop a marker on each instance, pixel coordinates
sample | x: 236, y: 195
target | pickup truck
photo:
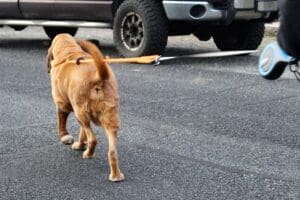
x: 142, y: 27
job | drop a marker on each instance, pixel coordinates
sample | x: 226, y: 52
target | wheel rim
x: 266, y: 61
x: 132, y: 31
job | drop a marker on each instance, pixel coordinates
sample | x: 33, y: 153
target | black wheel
x: 140, y: 28
x: 240, y: 36
x: 53, y: 31
x: 275, y: 72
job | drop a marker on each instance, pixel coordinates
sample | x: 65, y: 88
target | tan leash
x: 138, y: 60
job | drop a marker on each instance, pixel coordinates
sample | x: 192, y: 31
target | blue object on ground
x: 273, y: 60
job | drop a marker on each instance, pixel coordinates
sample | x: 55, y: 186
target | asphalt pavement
x: 191, y: 128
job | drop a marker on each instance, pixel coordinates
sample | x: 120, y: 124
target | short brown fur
x: 89, y: 89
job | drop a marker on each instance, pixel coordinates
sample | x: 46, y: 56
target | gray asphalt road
x: 191, y: 128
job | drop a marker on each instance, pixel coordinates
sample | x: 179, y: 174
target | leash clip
x: 157, y: 61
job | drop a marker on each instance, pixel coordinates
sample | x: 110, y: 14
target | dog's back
x: 105, y: 78
x: 95, y: 84
x: 83, y: 77
x: 102, y: 67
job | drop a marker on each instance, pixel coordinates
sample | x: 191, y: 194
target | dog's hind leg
x: 80, y: 144
x: 115, y: 172
x: 63, y: 134
x: 84, y: 121
x: 91, y: 143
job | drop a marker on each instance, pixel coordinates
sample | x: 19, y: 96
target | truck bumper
x: 205, y: 11
x: 257, y: 5
x: 192, y: 10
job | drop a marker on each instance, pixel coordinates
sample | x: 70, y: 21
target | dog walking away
x: 84, y: 84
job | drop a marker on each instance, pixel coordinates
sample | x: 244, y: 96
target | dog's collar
x: 80, y: 60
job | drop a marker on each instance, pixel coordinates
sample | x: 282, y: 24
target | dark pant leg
x: 289, y: 32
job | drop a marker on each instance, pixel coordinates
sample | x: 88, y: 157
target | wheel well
x: 117, y: 3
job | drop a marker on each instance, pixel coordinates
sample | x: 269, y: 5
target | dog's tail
x: 102, y: 66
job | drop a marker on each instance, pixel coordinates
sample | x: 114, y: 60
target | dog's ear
x: 92, y: 49
x: 49, y: 59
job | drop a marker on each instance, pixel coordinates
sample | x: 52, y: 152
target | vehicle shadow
x: 24, y: 44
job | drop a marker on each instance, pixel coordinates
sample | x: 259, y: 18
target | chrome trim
x: 83, y: 2
x: 244, y: 4
x: 37, y: 1
x: 180, y: 10
x: 248, y: 15
x: 266, y: 6
x: 83, y: 24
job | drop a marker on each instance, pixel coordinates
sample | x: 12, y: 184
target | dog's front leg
x: 63, y: 134
x: 115, y: 172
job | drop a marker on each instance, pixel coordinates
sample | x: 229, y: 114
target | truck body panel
x: 33, y: 9
x: 92, y: 10
x: 10, y: 9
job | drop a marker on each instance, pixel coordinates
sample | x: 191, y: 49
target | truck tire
x: 53, y: 31
x: 240, y: 36
x: 140, y: 28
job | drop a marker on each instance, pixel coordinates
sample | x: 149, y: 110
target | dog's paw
x: 115, y: 178
x: 67, y: 139
x: 77, y: 146
x: 87, y: 155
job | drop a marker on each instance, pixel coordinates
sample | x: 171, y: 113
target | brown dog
x: 83, y: 83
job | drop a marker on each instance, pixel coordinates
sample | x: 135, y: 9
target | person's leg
x: 289, y: 31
